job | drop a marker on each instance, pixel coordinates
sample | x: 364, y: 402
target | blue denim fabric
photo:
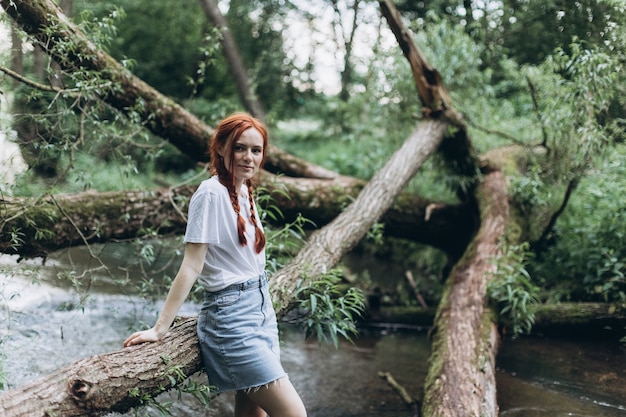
x: 238, y: 337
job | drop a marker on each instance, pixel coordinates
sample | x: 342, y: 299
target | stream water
x: 46, y: 324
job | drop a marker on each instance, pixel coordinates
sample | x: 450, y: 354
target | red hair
x: 222, y: 146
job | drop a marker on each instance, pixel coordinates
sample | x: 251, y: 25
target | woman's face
x: 247, y: 156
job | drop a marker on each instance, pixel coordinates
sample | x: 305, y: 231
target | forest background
x: 336, y: 91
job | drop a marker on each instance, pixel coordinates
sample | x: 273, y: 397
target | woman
x: 224, y: 248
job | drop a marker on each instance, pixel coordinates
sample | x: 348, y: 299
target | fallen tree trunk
x: 554, y: 319
x: 465, y: 339
x: 577, y: 319
x: 327, y: 246
x: 34, y: 227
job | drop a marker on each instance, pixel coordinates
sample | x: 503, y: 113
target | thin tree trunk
x: 17, y: 54
x: 39, y: 63
x: 346, y: 40
x: 234, y: 59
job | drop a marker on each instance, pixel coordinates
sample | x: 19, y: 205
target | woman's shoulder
x: 211, y: 186
x: 210, y: 191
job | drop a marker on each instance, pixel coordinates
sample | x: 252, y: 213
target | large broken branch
x: 431, y: 90
x: 461, y: 378
x: 327, y: 246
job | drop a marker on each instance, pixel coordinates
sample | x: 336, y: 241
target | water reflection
x: 542, y: 376
x: 345, y: 382
x: 44, y: 326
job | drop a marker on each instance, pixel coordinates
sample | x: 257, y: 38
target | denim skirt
x: 238, y: 337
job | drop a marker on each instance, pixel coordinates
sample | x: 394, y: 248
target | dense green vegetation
x: 523, y: 74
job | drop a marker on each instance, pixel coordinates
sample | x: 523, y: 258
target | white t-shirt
x: 212, y: 220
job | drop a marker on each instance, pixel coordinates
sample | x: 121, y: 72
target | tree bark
x: 465, y: 339
x: 430, y: 87
x: 461, y: 377
x: 45, y: 21
x: 593, y: 319
x: 34, y: 227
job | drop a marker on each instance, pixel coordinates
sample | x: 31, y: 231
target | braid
x: 259, y: 236
x: 241, y: 223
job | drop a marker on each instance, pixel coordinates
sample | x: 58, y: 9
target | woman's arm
x: 190, y: 268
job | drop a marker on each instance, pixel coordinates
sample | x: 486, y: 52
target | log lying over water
x: 554, y: 319
x: 46, y: 224
x: 579, y: 319
x: 461, y: 376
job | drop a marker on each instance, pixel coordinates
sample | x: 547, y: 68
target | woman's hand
x: 143, y: 336
x: 192, y: 264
